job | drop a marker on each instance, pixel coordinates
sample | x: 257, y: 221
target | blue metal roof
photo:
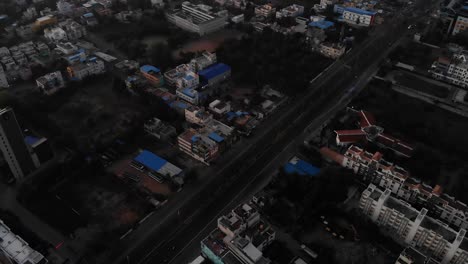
x: 302, y: 168
x: 189, y: 77
x: 323, y: 24
x: 88, y: 15
x: 360, y: 11
x: 149, y: 68
x: 188, y: 92
x: 150, y: 160
x: 214, y: 70
x: 30, y: 140
x: 214, y: 136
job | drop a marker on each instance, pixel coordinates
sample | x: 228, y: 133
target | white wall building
x: 454, y: 70
x: 90, y: 67
x: 50, y: 83
x: 359, y: 17
x: 293, y: 10
x: 266, y: 10
x: 55, y: 34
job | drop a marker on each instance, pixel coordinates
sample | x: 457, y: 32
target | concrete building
x: 358, y: 17
x: 182, y: 76
x: 332, y: 50
x: 453, y: 70
x: 203, y: 61
x: 25, y: 31
x: 197, y: 115
x: 266, y: 10
x: 200, y: 19
x: 159, y: 129
x: 293, y: 10
x: 409, y: 226
x: 73, y: 29
x: 240, y: 237
x: 50, y: 83
x: 460, y: 24
x: 219, y: 108
x: 412, y: 256
x: 12, y: 144
x: 157, y: 168
x: 16, y: 249
x: 89, y: 67
x: 153, y: 75
x: 64, y: 7
x: 3, y: 78
x: 214, y: 74
x: 325, y: 3
x: 55, y: 34
x: 198, y: 146
x: 44, y: 21
x: 30, y: 13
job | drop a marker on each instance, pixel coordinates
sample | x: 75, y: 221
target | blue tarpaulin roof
x: 214, y: 136
x: 150, y: 160
x: 149, y: 68
x: 360, y: 11
x: 30, y: 140
x: 302, y: 168
x: 214, y: 70
x: 323, y: 24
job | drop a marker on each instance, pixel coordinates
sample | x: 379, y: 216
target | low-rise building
x: 89, y: 19
x: 159, y: 129
x: 44, y: 21
x: 153, y: 75
x: 238, y: 19
x: 203, y: 61
x: 214, y: 74
x: 411, y: 227
x: 240, y: 237
x: 73, y: 29
x: 182, y: 76
x: 358, y: 17
x: 55, y: 34
x: 293, y: 10
x: 219, y: 108
x: 15, y: 248
x: 50, y: 83
x: 197, y: 115
x: 411, y: 255
x: 332, y: 50
x: 81, y: 70
x: 453, y: 70
x: 157, y: 168
x: 266, y: 10
x: 198, y: 146
x: 200, y: 19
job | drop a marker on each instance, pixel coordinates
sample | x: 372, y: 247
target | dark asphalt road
x: 165, y: 243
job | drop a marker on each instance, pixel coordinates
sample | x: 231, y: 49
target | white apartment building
x: 266, y: 10
x: 90, y: 67
x: 461, y: 24
x: 454, y: 70
x: 293, y: 10
x: 181, y: 76
x: 50, y: 83
x: 332, y: 50
x: 15, y: 248
x: 204, y: 60
x: 73, y: 29
x: 359, y: 17
x: 414, y: 228
x: 55, y: 34
x: 200, y: 19
x: 3, y: 78
x: 219, y: 108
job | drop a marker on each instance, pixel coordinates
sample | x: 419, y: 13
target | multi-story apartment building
x: 454, y: 70
x: 182, y: 76
x: 240, y: 237
x: 293, y: 10
x: 16, y: 249
x: 55, y: 34
x: 204, y: 60
x: 332, y: 50
x: 266, y: 10
x: 158, y: 129
x: 412, y: 227
x: 200, y: 19
x: 73, y: 29
x: 152, y: 74
x: 358, y: 17
x: 80, y: 70
x: 12, y: 144
x: 412, y: 256
x: 198, y: 146
x: 325, y: 3
x: 50, y: 83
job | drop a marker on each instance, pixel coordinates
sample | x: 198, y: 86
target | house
x: 89, y: 67
x: 265, y: 10
x: 153, y: 75
x: 332, y: 50
x: 198, y: 146
x: 159, y: 129
x: 50, y: 83
x: 293, y: 10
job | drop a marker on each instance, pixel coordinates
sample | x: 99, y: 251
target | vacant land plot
x: 420, y: 84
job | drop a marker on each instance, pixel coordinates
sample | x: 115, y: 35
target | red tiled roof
x: 367, y: 119
x: 350, y: 138
x: 352, y: 132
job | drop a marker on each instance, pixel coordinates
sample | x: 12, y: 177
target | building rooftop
x: 323, y: 24
x: 149, y: 69
x: 301, y: 167
x: 16, y: 248
x: 360, y: 11
x: 214, y: 70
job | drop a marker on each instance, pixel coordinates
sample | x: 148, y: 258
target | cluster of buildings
x: 198, y: 18
x: 451, y: 69
x: 16, y: 61
x: 16, y: 250
x: 240, y: 237
x: 66, y: 30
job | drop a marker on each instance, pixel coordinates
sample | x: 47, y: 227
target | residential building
x: 238, y: 19
x: 16, y: 249
x: 3, y: 78
x: 453, y: 70
x: 358, y: 17
x: 25, y: 31
x: 203, y: 61
x: 332, y: 50
x: 64, y: 7
x: 50, y: 83
x: 214, y: 74
x: 159, y: 129
x: 460, y: 25
x: 14, y: 149
x: 30, y: 13
x: 240, y: 237
x: 55, y: 34
x: 265, y: 10
x: 412, y: 256
x: 325, y: 3
x: 197, y: 115
x: 41, y: 149
x: 200, y: 19
x: 44, y: 21
x: 293, y: 10
x: 152, y: 74
x: 89, y: 19
x: 198, y: 146
x: 73, y: 29
x: 411, y: 227
x: 67, y: 48
x: 182, y: 76
x: 189, y: 94
x: 129, y: 15
x: 369, y: 131
x: 89, y: 67
x: 219, y: 108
